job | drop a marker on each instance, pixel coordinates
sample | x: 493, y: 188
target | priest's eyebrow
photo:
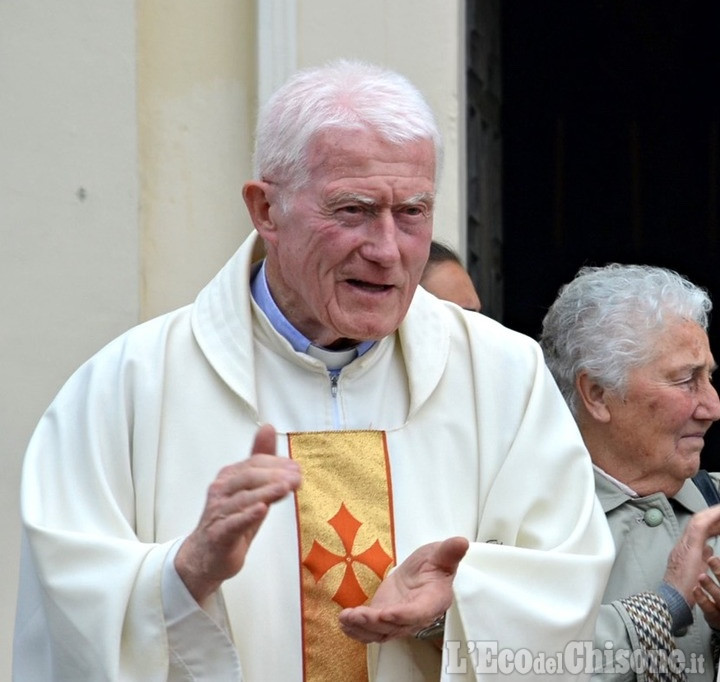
x: 426, y: 198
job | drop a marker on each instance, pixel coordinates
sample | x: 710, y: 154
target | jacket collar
x: 611, y: 496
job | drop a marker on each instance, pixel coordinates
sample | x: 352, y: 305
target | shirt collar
x: 334, y: 360
x: 625, y: 488
x: 613, y: 493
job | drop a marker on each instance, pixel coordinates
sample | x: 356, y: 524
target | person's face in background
x: 450, y: 281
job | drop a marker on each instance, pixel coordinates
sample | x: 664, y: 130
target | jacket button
x: 653, y: 517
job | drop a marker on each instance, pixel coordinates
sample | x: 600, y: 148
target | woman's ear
x: 593, y: 397
x: 257, y: 195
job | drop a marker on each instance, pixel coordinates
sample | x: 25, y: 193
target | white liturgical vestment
x: 472, y: 438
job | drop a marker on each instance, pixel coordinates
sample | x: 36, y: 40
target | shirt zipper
x: 334, y: 377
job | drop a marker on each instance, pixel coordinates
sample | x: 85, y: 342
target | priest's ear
x: 262, y: 201
x: 592, y: 397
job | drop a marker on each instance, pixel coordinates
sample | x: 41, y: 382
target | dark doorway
x: 610, y: 120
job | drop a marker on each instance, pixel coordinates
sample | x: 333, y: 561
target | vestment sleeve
x: 91, y: 605
x: 198, y: 638
x: 529, y: 589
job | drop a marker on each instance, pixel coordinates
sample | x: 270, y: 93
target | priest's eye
x: 413, y: 212
x: 352, y: 210
x: 353, y: 214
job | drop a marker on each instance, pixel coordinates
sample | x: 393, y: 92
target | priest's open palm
x: 411, y: 597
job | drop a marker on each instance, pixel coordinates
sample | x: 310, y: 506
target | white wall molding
x: 277, y: 45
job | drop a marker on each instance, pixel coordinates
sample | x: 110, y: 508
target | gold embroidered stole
x: 346, y: 540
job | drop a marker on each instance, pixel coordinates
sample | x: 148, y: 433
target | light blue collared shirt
x: 263, y: 297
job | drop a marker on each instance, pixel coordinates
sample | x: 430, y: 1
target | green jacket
x: 645, y: 530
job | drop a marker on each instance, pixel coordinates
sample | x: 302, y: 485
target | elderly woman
x: 628, y: 347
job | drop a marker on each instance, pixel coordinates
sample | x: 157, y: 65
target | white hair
x: 604, y: 322
x: 342, y: 94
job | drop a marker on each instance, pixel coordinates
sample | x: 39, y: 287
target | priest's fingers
x: 421, y: 608
x: 265, y: 441
x: 238, y: 499
x: 369, y: 624
x: 261, y: 477
x: 237, y: 503
x: 422, y: 584
x: 365, y: 625
x: 216, y: 549
x: 436, y: 560
x: 449, y: 554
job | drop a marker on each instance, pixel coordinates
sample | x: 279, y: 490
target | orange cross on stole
x: 346, y: 542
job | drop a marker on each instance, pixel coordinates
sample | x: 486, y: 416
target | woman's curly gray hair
x: 605, y: 321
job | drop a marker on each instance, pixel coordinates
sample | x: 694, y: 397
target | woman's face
x: 658, y: 427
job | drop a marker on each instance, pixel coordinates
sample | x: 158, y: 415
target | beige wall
x: 125, y: 137
x: 196, y: 110
x: 422, y: 40
x: 68, y: 218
